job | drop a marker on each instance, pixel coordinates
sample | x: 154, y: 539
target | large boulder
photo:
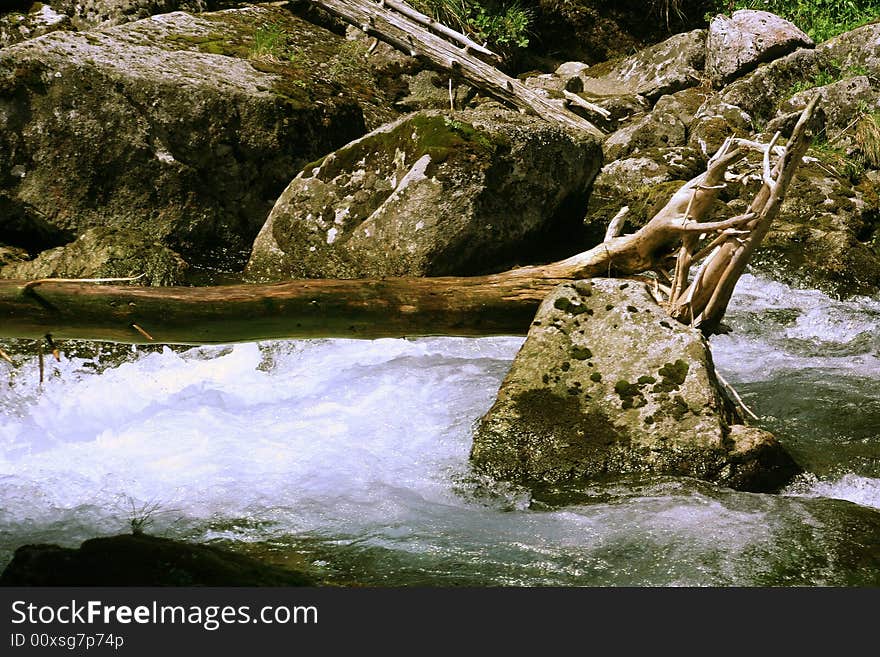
x: 841, y: 103
x: 738, y: 44
x: 184, y: 127
x: 142, y: 560
x: 665, y: 68
x: 606, y: 385
x: 431, y: 194
x: 823, y: 234
x: 665, y: 126
x: 105, y: 253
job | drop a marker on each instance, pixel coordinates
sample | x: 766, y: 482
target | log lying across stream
x: 500, y: 304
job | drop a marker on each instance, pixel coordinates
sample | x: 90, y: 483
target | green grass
x: 270, y: 43
x: 821, y: 19
x: 504, y: 25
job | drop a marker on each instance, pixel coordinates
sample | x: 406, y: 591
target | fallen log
x: 501, y: 304
x: 409, y: 36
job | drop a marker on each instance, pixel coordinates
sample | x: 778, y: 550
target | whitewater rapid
x: 354, y: 454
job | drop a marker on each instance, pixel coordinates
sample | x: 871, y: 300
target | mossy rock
x: 106, y: 253
x: 434, y: 193
x: 644, y: 400
x: 180, y: 127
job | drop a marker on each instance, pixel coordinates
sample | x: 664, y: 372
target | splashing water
x: 354, y: 455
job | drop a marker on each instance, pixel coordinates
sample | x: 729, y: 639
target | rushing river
x: 349, y: 458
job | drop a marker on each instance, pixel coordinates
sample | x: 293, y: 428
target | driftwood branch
x: 416, y: 39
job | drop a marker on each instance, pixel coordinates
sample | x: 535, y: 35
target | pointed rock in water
x: 142, y: 560
x: 738, y: 44
x: 607, y: 384
x: 435, y: 193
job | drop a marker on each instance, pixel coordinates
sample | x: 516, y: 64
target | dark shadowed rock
x: 738, y: 44
x: 184, y: 127
x: 106, y: 253
x: 598, y: 30
x: 607, y: 384
x: 141, y: 560
x: 11, y: 254
x: 431, y: 194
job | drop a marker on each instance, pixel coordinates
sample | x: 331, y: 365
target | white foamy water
x: 776, y: 329
x: 361, y: 449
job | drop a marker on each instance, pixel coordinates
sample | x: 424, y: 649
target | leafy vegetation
x: 821, y: 19
x: 502, y: 24
x: 271, y: 43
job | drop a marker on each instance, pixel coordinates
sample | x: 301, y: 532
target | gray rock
x: 431, y: 194
x: 665, y: 68
x: 105, y: 253
x: 40, y: 19
x: 428, y: 90
x: 607, y: 384
x: 856, y: 49
x: 823, y: 234
x: 651, y: 167
x: 738, y: 44
x: 89, y: 13
x: 666, y: 126
x: 841, y: 102
x: 760, y: 92
x: 715, y: 121
x: 177, y: 125
x: 745, y: 104
x: 655, y: 130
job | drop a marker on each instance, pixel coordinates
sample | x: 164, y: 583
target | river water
x: 349, y: 458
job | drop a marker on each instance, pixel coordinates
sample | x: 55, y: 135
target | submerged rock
x: 184, y: 127
x: 141, y: 560
x: 431, y: 194
x: 105, y: 253
x: 607, y: 384
x: 738, y: 44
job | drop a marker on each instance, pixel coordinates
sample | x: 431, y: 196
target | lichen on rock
x: 618, y: 388
x: 434, y: 193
